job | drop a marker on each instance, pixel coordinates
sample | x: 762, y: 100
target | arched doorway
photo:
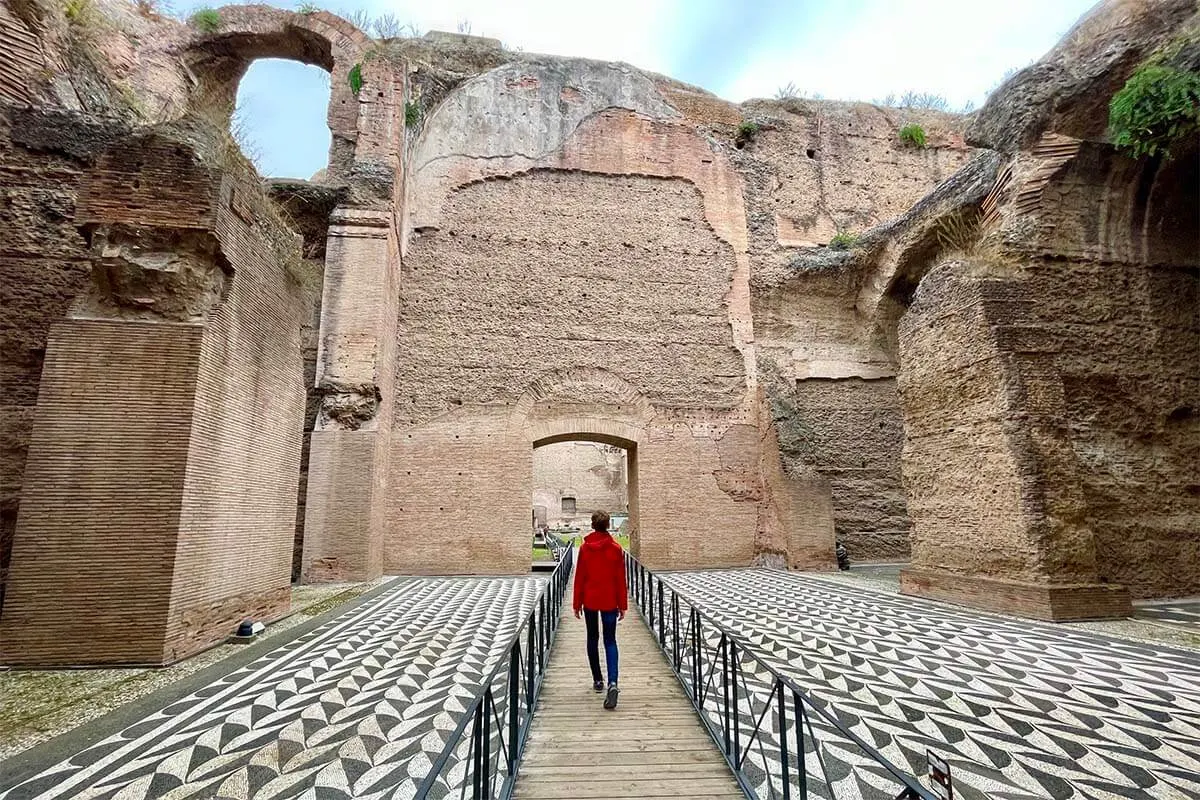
x: 577, y: 474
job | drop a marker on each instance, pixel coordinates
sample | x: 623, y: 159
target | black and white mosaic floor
x: 358, y: 707
x: 1018, y: 709
x: 1185, y: 613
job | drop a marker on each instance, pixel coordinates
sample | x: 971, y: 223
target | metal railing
x: 481, y: 755
x: 765, y: 724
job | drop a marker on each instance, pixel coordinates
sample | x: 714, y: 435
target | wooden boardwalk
x: 652, y: 745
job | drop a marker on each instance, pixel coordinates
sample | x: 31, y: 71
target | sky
x: 737, y: 49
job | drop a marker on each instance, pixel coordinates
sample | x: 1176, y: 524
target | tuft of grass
x: 207, y: 20
x: 746, y: 132
x: 356, y: 79
x: 913, y: 134
x: 843, y: 240
x: 958, y: 233
x: 307, y: 8
x: 412, y: 113
x: 77, y: 11
x: 1159, y: 106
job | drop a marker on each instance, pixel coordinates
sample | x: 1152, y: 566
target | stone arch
x: 218, y: 61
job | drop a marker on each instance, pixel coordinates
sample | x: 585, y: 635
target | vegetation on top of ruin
x: 207, y: 20
x: 843, y: 240
x: 1159, y: 106
x: 746, y: 131
x: 913, y: 134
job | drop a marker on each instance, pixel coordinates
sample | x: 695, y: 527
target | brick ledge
x: 1052, y: 602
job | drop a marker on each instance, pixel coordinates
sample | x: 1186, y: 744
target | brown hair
x: 600, y: 520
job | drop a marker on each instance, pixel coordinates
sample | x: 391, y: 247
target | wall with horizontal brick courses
x: 103, y: 494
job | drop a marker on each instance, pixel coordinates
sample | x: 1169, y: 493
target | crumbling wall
x: 43, y: 268
x: 174, y: 385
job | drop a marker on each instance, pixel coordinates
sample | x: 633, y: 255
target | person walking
x: 601, y: 598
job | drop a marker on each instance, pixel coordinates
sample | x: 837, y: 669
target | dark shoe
x: 598, y: 687
x: 610, y: 699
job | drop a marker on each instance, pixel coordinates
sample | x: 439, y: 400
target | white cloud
x: 956, y: 48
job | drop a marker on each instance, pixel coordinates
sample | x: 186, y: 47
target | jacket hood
x: 599, y: 540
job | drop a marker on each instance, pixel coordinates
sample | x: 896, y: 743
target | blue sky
x: 738, y: 49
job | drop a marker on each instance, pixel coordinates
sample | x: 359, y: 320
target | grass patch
x: 843, y: 240
x: 913, y: 134
x: 356, y: 79
x: 206, y: 20
x: 412, y: 113
x: 1158, y: 107
x: 746, y: 131
x: 307, y: 8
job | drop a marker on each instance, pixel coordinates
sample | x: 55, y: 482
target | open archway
x: 575, y: 474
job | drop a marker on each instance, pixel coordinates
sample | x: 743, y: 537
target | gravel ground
x: 37, y: 705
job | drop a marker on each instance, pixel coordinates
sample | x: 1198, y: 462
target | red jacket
x: 600, y: 574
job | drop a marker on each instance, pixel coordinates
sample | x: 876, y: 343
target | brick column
x: 343, y: 523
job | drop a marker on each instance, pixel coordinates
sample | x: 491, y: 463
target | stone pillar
x: 343, y: 524
x: 996, y: 504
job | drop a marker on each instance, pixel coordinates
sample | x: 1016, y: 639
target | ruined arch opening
x: 576, y: 474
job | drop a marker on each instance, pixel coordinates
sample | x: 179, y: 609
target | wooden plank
x: 652, y: 745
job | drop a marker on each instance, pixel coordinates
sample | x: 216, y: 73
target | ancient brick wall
x: 850, y: 430
x: 546, y: 273
x: 43, y: 267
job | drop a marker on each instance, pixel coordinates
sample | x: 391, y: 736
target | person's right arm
x: 580, y: 577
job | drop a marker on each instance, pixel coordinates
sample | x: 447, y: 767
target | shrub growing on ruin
x: 843, y: 240
x: 745, y: 133
x: 207, y: 20
x: 356, y: 79
x: 77, y: 12
x: 913, y: 134
x: 412, y: 113
x: 1159, y: 106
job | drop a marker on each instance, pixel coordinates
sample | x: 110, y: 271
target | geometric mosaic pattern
x: 358, y: 707
x: 1185, y: 613
x: 1019, y: 709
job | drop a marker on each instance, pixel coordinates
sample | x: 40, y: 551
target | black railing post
x: 477, y: 761
x: 662, y: 634
x: 697, y: 673
x: 733, y: 693
x: 488, y: 706
x: 514, y: 702
x: 801, y: 757
x: 725, y: 686
x: 529, y: 664
x: 675, y: 643
x: 785, y: 771
x: 542, y: 635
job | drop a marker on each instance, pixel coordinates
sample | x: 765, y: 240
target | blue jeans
x: 609, y: 620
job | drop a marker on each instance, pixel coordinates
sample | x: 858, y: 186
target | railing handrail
x: 561, y: 569
x: 762, y: 658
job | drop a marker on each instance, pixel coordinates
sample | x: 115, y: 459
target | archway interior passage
x: 575, y: 475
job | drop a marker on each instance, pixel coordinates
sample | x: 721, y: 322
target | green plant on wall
x: 356, y: 79
x: 77, y: 10
x: 207, y: 20
x: 412, y: 113
x: 913, y: 134
x: 1159, y: 106
x: 843, y: 240
x: 307, y: 8
x: 746, y: 131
